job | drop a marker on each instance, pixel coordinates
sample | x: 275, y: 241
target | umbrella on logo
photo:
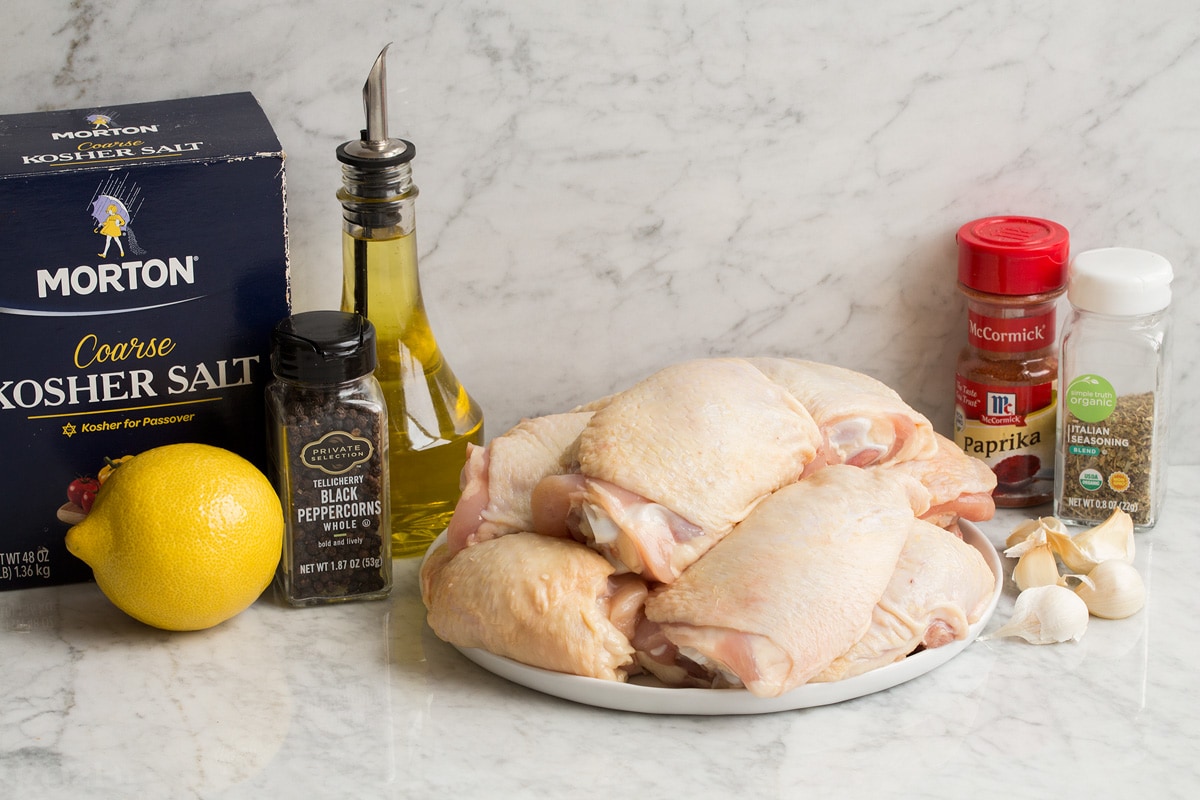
x: 98, y: 119
x: 100, y: 209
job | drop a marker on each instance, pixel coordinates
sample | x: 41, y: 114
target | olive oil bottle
x: 431, y: 416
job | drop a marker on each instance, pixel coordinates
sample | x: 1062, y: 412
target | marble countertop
x: 363, y: 700
x: 606, y: 189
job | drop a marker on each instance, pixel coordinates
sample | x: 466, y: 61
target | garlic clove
x: 1111, y: 539
x: 1036, y: 567
x: 1113, y: 590
x: 1046, y: 615
x: 1031, y: 545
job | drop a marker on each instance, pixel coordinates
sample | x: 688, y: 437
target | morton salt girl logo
x: 99, y: 120
x: 112, y: 208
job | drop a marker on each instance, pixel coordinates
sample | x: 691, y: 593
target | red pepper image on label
x: 1017, y: 471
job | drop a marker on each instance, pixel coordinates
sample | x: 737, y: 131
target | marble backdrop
x: 610, y: 187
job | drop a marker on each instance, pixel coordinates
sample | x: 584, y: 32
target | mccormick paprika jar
x: 1012, y: 271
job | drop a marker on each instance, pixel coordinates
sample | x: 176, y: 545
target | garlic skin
x: 1046, y: 615
x: 1039, y: 530
x: 1108, y: 541
x: 1113, y: 590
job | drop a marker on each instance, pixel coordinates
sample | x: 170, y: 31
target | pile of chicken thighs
x: 757, y: 523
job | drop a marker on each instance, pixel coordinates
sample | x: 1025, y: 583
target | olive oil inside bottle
x: 432, y: 418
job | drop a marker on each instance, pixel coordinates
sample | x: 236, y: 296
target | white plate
x: 648, y: 698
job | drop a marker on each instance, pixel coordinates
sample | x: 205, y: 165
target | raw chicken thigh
x: 960, y: 485
x: 792, y: 588
x: 759, y: 523
x: 670, y: 465
x: 862, y: 420
x: 540, y: 600
x: 498, y: 480
x: 940, y: 587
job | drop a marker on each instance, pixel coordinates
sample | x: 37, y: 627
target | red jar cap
x: 1013, y: 255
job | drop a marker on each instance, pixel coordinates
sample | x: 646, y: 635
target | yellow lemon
x: 182, y: 537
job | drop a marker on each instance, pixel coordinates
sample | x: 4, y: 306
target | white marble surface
x: 363, y: 700
x: 608, y: 188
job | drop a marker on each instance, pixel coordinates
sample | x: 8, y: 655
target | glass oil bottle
x: 431, y: 416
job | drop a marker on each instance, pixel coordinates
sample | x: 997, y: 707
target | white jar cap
x: 1121, y: 281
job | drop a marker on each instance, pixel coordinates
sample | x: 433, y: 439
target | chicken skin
x: 940, y: 587
x: 794, y: 586
x: 674, y: 462
x: 543, y: 601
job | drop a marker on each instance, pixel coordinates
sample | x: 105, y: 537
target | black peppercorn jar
x: 329, y: 459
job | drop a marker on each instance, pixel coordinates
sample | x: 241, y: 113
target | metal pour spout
x: 374, y: 145
x: 375, y: 103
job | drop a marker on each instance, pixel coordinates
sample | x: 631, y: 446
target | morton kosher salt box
x: 144, y: 264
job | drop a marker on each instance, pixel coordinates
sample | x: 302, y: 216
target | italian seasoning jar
x: 1113, y: 414
x: 1012, y: 271
x: 329, y: 454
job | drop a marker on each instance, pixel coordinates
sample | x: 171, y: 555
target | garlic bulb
x: 1046, y: 615
x: 1113, y: 590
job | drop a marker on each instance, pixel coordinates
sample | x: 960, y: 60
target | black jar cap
x: 323, y: 347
